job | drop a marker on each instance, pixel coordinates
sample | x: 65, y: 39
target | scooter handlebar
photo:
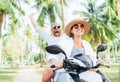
x: 52, y: 66
x: 105, y: 66
x: 98, y: 65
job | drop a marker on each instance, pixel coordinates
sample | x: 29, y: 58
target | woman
x: 74, y: 44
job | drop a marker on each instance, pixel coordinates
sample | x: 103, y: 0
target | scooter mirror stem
x: 97, y: 55
x: 65, y: 56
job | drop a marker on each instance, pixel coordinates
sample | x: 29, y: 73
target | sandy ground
x: 28, y: 74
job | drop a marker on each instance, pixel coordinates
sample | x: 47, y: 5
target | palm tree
x: 4, y: 10
x: 4, y: 48
x: 62, y: 3
x: 50, y: 9
x: 101, y: 25
x: 115, y: 21
x: 12, y: 31
x: 103, y: 20
x: 28, y: 34
x: 46, y: 8
x: 42, y: 44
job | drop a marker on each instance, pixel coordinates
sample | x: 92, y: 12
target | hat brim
x: 69, y: 26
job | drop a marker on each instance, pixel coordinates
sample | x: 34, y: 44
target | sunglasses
x: 55, y: 27
x: 76, y: 26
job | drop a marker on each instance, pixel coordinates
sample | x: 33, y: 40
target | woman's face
x: 77, y: 29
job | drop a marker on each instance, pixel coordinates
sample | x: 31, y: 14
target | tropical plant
x: 50, y: 9
x: 10, y: 9
x: 62, y: 3
x: 115, y: 22
x: 28, y: 34
x: 103, y: 20
x: 102, y: 26
x: 46, y: 8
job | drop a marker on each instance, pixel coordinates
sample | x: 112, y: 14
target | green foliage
x: 112, y: 8
x: 26, y: 1
x: 42, y: 16
x: 51, y: 13
x: 14, y: 24
x: 110, y: 34
x: 28, y: 32
x: 4, y: 7
x: 64, y: 2
x: 9, y: 59
x: 10, y: 7
x: 47, y: 10
x: 15, y: 5
x: 7, y: 74
x: 112, y: 72
x: 103, y: 22
x: 36, y: 58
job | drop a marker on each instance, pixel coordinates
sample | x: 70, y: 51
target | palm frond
x: 4, y: 7
x: 41, y: 17
x: 51, y: 13
x: 14, y: 4
x: 64, y: 2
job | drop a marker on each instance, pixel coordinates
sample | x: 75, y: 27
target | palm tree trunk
x: 40, y: 59
x: 42, y: 52
x: 107, y: 56
x: 116, y: 53
x: 113, y: 53
x: 63, y: 24
x: 1, y: 19
x: 95, y: 35
x: 19, y: 3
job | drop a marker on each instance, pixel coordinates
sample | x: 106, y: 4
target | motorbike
x: 77, y: 69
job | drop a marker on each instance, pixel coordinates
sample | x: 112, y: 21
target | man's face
x: 56, y: 29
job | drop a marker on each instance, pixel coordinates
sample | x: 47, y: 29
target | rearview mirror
x: 55, y: 49
x: 101, y: 48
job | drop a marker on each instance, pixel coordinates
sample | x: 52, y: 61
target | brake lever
x: 105, y: 66
x: 54, y: 69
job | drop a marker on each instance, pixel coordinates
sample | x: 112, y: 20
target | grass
x: 113, y: 73
x: 7, y: 78
x: 7, y: 74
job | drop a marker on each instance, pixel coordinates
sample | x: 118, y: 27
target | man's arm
x: 32, y: 20
x: 40, y: 31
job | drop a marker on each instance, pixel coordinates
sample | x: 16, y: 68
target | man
x: 51, y: 40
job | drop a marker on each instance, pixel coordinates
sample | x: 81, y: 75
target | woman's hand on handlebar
x: 58, y: 64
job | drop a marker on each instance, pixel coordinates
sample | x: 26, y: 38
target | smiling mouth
x: 56, y: 31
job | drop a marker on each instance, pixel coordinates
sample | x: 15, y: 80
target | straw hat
x: 77, y: 21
